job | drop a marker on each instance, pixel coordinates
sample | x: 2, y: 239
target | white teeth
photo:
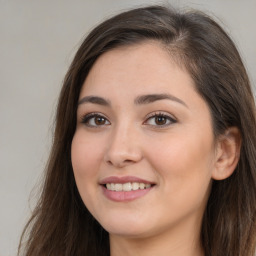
x: 129, y: 186
x: 112, y: 186
x: 147, y: 185
x: 142, y: 185
x: 135, y: 185
x: 118, y: 187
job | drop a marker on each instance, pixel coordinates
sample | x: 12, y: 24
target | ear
x: 227, y: 153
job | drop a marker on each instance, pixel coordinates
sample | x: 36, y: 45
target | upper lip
x: 124, y: 179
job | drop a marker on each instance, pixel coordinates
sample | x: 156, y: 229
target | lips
x: 124, y: 179
x: 125, y: 188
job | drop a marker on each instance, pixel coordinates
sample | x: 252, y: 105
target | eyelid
x: 86, y: 117
x: 171, y: 118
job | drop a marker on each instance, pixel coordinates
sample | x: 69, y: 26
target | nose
x: 123, y: 147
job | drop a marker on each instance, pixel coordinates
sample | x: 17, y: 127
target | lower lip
x: 123, y: 196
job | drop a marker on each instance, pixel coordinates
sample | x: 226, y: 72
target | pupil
x: 100, y: 121
x: 160, y: 120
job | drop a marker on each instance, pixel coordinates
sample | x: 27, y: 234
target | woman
x: 154, y: 147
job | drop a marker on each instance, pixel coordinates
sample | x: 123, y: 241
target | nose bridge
x: 123, y: 148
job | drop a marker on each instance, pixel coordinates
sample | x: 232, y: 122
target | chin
x: 126, y: 228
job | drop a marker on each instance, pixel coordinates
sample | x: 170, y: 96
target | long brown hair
x: 61, y: 224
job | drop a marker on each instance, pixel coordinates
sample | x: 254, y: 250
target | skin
x: 179, y: 157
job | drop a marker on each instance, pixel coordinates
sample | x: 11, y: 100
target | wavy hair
x: 61, y: 224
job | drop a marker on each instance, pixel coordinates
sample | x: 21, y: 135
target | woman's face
x: 143, y: 150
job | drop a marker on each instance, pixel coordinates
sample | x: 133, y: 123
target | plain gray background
x: 38, y: 40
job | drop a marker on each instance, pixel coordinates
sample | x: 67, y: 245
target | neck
x: 177, y: 242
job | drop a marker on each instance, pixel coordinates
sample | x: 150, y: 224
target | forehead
x: 145, y: 66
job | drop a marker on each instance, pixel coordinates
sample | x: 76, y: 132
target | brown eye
x: 100, y: 120
x: 95, y: 120
x: 160, y: 120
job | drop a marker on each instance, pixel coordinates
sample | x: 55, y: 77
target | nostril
x: 122, y: 154
x: 120, y: 163
x: 128, y: 161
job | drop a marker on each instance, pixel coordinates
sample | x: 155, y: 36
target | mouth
x: 129, y: 186
x: 126, y: 188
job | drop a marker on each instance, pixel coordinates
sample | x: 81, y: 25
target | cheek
x: 181, y: 156
x: 85, y: 157
x: 184, y: 166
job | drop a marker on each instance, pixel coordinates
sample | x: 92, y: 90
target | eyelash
x: 171, y: 120
x: 88, y: 117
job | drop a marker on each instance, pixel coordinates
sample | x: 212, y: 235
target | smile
x: 126, y: 188
x: 129, y: 186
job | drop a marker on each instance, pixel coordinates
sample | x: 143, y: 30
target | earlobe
x: 227, y: 154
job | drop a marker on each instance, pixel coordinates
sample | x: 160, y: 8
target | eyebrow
x: 150, y: 98
x: 95, y: 100
x: 140, y: 100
